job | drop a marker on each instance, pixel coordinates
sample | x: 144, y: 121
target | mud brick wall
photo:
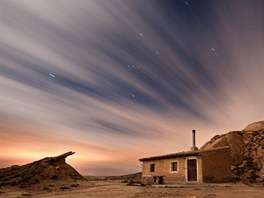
x: 163, y: 168
x: 216, y: 166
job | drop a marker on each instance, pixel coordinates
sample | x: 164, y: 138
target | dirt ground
x: 117, y: 189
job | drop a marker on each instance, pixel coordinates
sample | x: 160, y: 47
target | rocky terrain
x: 247, y: 151
x: 47, y: 169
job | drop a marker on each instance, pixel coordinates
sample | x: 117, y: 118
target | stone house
x: 212, y: 165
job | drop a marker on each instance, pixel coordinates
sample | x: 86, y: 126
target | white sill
x: 174, y: 171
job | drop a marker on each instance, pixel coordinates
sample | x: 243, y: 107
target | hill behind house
x: 247, y: 151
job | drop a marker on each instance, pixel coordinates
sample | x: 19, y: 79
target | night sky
x: 117, y: 80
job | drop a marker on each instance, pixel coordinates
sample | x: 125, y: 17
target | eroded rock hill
x: 247, y: 151
x: 49, y: 168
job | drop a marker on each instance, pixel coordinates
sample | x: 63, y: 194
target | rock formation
x: 49, y: 168
x: 246, y: 149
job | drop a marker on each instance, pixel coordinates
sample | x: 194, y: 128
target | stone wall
x: 212, y: 166
x: 216, y: 166
x: 163, y: 168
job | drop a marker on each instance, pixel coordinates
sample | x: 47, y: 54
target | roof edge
x: 182, y: 154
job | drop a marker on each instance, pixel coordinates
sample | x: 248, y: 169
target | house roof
x: 182, y: 154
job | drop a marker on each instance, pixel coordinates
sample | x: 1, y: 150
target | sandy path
x: 113, y: 189
x: 116, y: 189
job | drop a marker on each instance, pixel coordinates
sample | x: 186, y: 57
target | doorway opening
x: 192, y: 170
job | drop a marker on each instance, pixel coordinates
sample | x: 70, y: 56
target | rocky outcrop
x: 256, y: 126
x: 232, y: 139
x: 246, y: 149
x: 49, y: 168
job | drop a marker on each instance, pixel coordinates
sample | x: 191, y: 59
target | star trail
x: 115, y: 80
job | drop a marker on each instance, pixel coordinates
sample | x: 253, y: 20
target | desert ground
x: 119, y: 189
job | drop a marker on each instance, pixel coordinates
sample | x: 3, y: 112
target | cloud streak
x: 127, y: 77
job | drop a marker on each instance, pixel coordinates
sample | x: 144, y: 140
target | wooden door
x: 192, y: 169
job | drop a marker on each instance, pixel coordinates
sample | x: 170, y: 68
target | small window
x: 152, y: 167
x: 174, y: 166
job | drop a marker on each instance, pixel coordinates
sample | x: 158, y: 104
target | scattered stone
x: 75, y: 185
x: 209, y: 196
x: 260, y: 180
x: 46, y: 188
x: 64, y: 188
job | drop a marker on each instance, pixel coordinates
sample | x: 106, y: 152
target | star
x: 186, y: 3
x: 132, y: 95
x: 53, y: 76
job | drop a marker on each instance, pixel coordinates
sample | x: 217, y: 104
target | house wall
x: 216, y: 166
x: 163, y: 168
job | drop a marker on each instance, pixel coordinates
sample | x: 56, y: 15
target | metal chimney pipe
x: 193, y: 138
x: 193, y: 148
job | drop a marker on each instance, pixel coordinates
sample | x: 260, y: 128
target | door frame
x: 186, y: 168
